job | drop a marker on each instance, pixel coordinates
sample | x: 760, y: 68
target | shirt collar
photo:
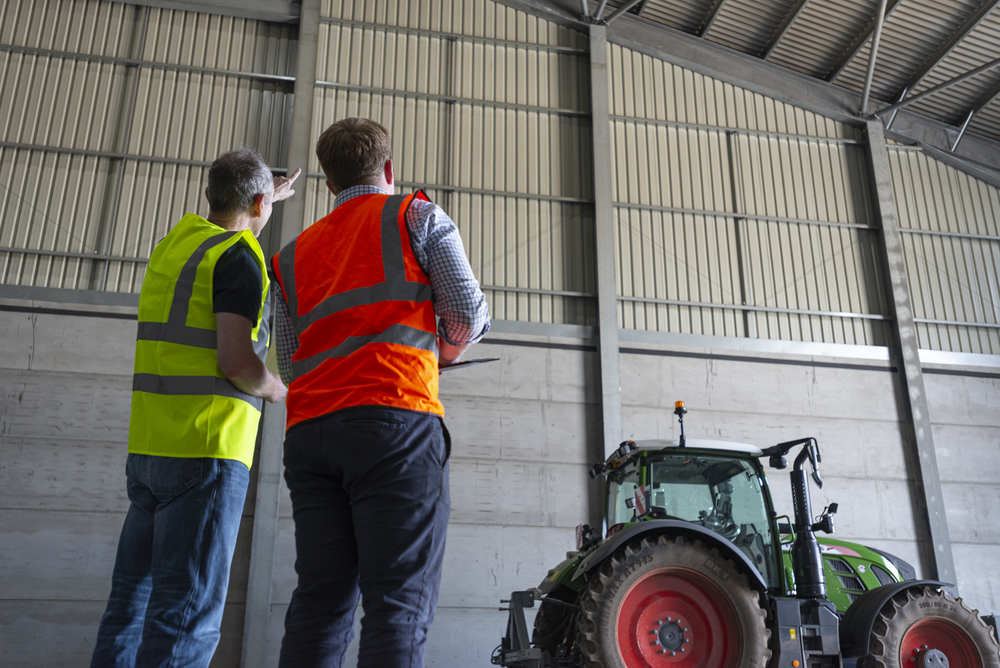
x: 357, y: 191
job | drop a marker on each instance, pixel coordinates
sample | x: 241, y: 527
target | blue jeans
x: 171, y: 574
x: 370, y: 499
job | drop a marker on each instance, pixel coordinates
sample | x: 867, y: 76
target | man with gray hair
x: 197, y: 392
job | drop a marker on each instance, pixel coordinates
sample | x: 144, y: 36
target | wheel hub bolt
x: 670, y: 636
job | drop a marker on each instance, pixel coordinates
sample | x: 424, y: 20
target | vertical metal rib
x: 126, y: 113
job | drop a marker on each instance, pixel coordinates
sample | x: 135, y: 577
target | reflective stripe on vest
x: 395, y: 287
x: 182, y: 404
x: 176, y: 330
x: 374, y: 345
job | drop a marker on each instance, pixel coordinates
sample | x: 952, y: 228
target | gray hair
x: 236, y: 178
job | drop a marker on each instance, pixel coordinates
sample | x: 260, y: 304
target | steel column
x: 257, y: 619
x: 607, y: 293
x: 911, y: 373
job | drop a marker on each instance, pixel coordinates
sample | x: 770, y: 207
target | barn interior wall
x: 525, y: 429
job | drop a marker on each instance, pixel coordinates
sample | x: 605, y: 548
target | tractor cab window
x: 622, y: 486
x: 721, y: 494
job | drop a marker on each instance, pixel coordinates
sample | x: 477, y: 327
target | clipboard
x: 467, y: 363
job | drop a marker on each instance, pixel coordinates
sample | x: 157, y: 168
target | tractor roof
x: 727, y: 446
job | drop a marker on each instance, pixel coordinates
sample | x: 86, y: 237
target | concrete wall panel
x: 42, y: 404
x: 44, y: 634
x: 971, y: 562
x: 850, y: 407
x: 532, y: 368
x: 964, y: 406
x: 70, y: 475
x: 790, y: 386
x: 16, y: 330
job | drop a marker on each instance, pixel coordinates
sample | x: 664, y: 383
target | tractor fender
x: 675, y: 527
x: 856, y: 625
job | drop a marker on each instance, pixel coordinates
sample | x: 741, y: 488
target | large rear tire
x: 919, y: 627
x: 671, y: 603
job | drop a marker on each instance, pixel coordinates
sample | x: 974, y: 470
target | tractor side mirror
x: 825, y: 524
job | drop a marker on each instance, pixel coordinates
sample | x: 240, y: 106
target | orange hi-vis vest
x: 363, y: 312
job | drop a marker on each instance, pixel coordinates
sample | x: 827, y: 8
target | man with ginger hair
x: 366, y: 450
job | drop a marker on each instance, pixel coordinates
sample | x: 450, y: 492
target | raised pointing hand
x: 283, y: 185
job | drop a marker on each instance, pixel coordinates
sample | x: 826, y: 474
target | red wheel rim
x: 685, y: 610
x: 940, y: 634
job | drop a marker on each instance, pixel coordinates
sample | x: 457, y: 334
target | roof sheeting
x: 923, y: 42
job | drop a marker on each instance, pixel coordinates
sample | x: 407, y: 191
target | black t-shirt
x: 238, y: 283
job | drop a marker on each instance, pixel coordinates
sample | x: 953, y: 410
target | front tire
x: 920, y: 626
x: 671, y: 603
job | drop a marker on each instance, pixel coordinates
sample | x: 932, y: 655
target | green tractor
x: 696, y: 570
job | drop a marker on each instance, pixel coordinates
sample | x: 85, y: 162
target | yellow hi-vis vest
x: 182, y: 403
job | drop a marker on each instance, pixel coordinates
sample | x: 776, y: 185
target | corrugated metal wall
x: 951, y: 237
x: 488, y: 110
x: 129, y: 106
x: 737, y: 215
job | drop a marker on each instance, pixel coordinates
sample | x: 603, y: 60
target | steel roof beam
x: 786, y: 24
x: 621, y: 10
x: 713, y: 14
x: 940, y: 87
x: 976, y: 155
x: 984, y: 101
x: 600, y: 11
x: 855, y: 48
x: 988, y: 99
x: 970, y: 24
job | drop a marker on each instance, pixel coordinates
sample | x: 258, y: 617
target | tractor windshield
x: 722, y: 494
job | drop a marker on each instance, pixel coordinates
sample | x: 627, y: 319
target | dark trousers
x: 370, y: 499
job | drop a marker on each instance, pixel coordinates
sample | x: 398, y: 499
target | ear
x: 388, y: 172
x: 329, y: 186
x: 258, y: 204
x: 209, y: 201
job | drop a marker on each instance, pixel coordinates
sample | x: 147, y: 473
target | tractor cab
x: 717, y: 485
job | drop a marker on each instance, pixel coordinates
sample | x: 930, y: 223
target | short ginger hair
x: 353, y: 151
